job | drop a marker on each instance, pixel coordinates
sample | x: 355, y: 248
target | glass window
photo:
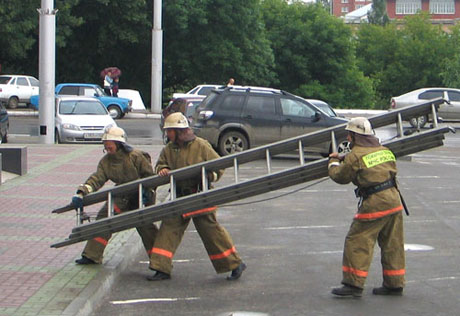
x: 428, y: 95
x: 296, y: 108
x: 232, y: 103
x: 408, y: 6
x: 89, y: 92
x: 344, y: 9
x: 442, y: 7
x: 260, y: 105
x: 82, y: 107
x: 34, y: 82
x: 69, y: 90
x: 344, y: 1
x: 4, y: 79
x: 453, y: 95
x: 205, y: 90
x: 23, y: 82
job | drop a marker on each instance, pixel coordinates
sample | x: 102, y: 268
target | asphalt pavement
x: 292, y: 245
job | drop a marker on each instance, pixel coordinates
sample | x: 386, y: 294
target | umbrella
x: 116, y: 72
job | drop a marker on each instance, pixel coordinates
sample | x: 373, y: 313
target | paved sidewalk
x: 34, y: 278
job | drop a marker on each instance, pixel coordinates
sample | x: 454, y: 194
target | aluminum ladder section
x: 403, y: 145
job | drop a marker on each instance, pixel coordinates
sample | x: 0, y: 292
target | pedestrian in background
x: 115, y: 87
x: 185, y: 149
x: 108, y: 83
x: 121, y: 164
x: 372, y: 168
x: 230, y: 82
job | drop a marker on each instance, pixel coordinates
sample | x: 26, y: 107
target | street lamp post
x: 46, y: 70
x: 157, y: 58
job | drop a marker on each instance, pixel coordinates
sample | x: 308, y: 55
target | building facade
x: 441, y: 11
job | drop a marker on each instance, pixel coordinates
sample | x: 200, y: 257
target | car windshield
x: 4, y: 79
x: 34, y: 82
x: 323, y: 106
x: 100, y: 92
x: 82, y: 108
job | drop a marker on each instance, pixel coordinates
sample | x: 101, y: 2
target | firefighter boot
x: 383, y: 290
x: 236, y: 273
x: 84, y: 260
x: 159, y: 276
x: 348, y: 290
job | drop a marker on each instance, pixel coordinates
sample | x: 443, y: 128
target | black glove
x: 77, y: 201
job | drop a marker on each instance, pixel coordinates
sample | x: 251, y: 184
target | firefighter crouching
x: 185, y: 149
x: 372, y: 168
x: 121, y: 164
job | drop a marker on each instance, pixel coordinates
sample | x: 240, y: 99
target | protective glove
x: 77, y: 201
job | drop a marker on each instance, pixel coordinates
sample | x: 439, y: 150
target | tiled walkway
x: 34, y: 278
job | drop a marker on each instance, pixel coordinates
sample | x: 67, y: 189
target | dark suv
x: 236, y: 118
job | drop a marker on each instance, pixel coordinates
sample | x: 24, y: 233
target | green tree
x: 378, y: 14
x: 401, y: 59
x: 314, y: 54
x: 19, y: 30
x: 209, y: 41
x: 450, y: 72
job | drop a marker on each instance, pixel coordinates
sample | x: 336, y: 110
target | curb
x: 92, y: 296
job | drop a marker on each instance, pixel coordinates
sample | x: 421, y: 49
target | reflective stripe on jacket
x: 366, y: 167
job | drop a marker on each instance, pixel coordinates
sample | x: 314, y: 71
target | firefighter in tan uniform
x: 121, y: 164
x: 185, y: 149
x: 372, y: 168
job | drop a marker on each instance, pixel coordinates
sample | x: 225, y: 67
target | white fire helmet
x: 114, y: 133
x: 360, y: 125
x: 176, y: 120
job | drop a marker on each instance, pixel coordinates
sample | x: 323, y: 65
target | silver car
x: 447, y: 111
x: 81, y: 120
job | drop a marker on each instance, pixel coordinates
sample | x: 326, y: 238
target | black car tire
x: 115, y: 112
x: 422, y: 120
x: 13, y: 102
x: 232, y: 142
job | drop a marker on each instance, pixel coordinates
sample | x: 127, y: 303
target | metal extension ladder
x: 305, y: 171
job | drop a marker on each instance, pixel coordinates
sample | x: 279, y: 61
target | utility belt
x: 364, y: 193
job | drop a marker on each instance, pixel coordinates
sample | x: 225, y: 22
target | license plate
x: 92, y: 135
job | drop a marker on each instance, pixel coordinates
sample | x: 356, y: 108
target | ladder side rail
x: 230, y: 193
x: 407, y: 113
x: 259, y: 152
x: 410, y: 144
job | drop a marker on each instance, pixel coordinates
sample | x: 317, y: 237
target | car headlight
x: 71, y: 126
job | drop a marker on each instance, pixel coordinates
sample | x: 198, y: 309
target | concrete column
x: 157, y: 59
x: 46, y: 69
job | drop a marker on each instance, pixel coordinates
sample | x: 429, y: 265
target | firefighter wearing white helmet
x: 120, y: 164
x: 185, y: 149
x: 360, y: 125
x: 372, y: 168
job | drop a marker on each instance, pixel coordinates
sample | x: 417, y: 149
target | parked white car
x: 81, y: 120
x: 447, y: 111
x: 15, y: 89
x: 200, y: 90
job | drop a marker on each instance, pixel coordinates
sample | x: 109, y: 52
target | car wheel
x: 13, y: 103
x: 418, y: 121
x: 115, y: 112
x: 232, y: 142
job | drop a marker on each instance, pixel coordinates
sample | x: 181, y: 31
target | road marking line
x: 154, y: 300
x: 299, y: 227
x: 435, y: 279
